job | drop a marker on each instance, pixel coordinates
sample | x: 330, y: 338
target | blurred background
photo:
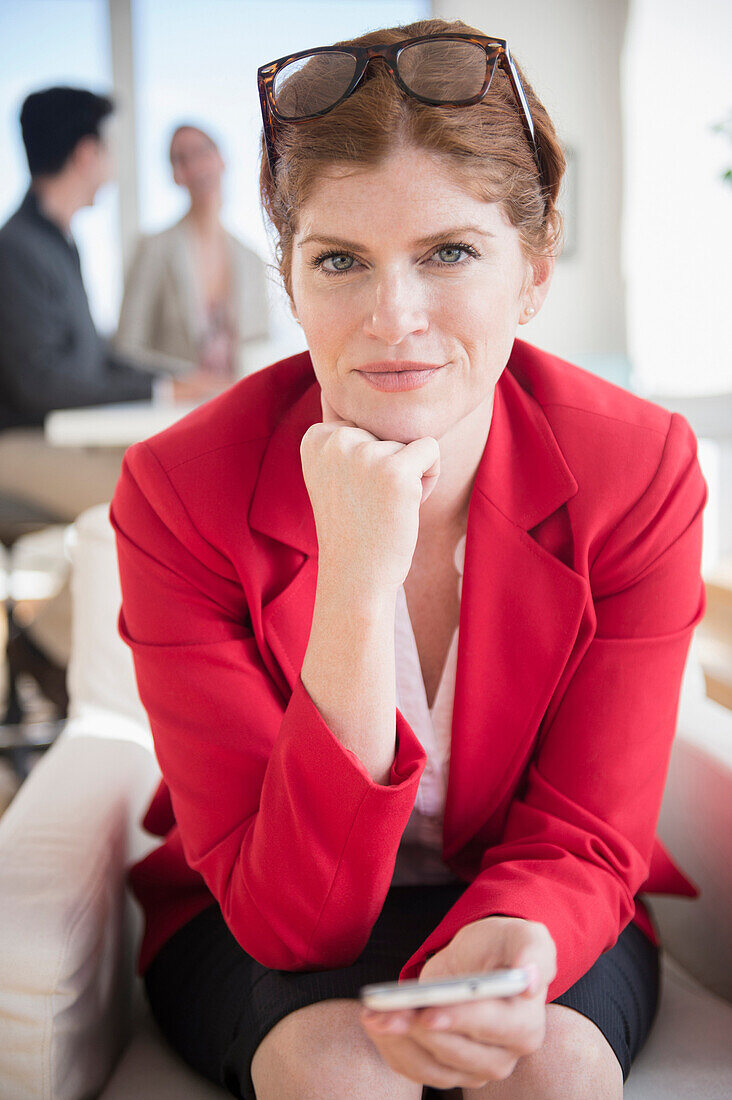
x: 639, y: 91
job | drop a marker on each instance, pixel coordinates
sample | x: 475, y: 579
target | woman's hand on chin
x: 467, y: 1045
x: 366, y: 494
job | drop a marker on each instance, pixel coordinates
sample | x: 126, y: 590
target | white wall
x: 678, y: 230
x: 570, y: 51
x: 678, y: 225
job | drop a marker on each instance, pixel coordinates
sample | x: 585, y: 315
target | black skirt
x: 214, y: 1003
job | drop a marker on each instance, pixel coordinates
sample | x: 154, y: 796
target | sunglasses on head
x: 444, y: 70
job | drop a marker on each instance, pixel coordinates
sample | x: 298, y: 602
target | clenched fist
x: 366, y: 494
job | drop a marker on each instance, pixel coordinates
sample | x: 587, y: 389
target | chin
x: 403, y: 427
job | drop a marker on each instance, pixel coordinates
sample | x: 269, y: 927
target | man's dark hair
x: 54, y: 121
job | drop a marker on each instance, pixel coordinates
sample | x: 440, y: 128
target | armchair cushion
x: 687, y: 1053
x: 101, y: 674
x: 696, y: 825
x: 66, y: 955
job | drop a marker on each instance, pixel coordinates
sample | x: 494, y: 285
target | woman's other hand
x: 366, y: 494
x: 468, y: 1045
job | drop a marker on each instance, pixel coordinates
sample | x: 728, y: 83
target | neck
x: 461, y: 450
x: 204, y: 213
x: 58, y: 199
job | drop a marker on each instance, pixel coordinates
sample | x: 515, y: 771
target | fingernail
x: 439, y: 1021
x: 378, y: 1020
x: 384, y: 1021
x: 398, y: 1025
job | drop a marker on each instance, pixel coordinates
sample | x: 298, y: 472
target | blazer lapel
x: 520, y: 613
x: 281, y: 509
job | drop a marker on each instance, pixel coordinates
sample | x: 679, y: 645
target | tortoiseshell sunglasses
x: 444, y: 70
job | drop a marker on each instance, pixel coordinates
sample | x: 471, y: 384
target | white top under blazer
x: 419, y: 858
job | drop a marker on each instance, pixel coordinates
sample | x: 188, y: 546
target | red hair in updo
x: 485, y: 147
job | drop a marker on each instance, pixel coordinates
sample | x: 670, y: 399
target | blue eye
x: 453, y: 252
x: 341, y: 261
x: 449, y: 249
x: 338, y: 258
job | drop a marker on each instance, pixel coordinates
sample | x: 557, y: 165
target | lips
x: 399, y: 375
x: 396, y: 365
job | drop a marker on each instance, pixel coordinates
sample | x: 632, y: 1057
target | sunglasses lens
x: 312, y: 84
x: 444, y: 70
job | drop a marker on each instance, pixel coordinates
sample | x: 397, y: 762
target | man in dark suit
x: 51, y: 355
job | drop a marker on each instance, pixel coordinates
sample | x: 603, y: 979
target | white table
x: 127, y: 423
x: 111, y: 425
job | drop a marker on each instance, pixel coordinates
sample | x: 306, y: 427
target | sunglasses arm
x: 269, y: 135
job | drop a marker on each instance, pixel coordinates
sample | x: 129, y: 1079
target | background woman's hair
x: 181, y: 126
x: 485, y: 145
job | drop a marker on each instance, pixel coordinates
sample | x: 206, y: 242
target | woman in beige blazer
x: 194, y: 293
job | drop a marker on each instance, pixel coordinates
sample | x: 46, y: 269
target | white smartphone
x: 445, y: 991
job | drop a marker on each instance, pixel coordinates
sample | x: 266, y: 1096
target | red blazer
x: 581, y: 590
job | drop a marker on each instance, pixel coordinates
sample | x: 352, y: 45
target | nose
x: 396, y: 309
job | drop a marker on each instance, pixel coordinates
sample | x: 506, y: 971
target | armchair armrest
x: 66, y: 947
x: 696, y: 825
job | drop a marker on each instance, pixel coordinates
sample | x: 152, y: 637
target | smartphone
x: 445, y: 991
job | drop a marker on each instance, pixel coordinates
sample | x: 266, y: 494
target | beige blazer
x: 162, y: 315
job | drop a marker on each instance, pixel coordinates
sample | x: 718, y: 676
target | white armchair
x: 73, y: 1019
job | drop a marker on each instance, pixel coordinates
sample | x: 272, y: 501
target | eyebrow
x: 424, y: 242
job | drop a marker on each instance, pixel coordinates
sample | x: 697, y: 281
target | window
x: 678, y: 223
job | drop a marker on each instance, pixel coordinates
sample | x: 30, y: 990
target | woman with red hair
x: 409, y: 613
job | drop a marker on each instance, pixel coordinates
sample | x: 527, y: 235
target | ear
x: 536, y: 288
x: 293, y: 309
x: 84, y: 152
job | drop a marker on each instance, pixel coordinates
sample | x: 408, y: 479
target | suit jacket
x: 162, y: 312
x: 51, y: 355
x: 581, y: 591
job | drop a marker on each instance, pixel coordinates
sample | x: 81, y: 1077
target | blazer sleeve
x: 579, y: 834
x: 288, y: 829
